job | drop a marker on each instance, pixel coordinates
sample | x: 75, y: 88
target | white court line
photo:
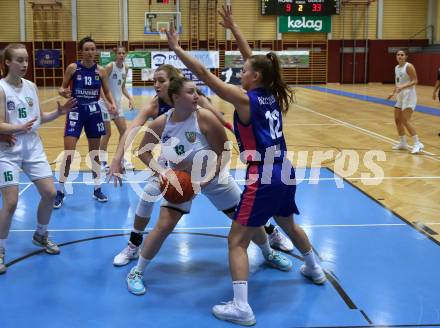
x: 119, y: 229
x: 312, y: 124
x: 25, y: 188
x: 364, y: 131
x: 49, y: 100
x: 367, y: 225
x: 374, y: 178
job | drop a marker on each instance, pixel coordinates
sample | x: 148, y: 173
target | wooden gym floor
x: 336, y: 131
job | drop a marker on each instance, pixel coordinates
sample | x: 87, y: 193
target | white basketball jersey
x: 181, y: 141
x: 22, y: 104
x: 401, y: 74
x: 116, y: 79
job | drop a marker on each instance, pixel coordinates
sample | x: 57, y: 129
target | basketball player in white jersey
x: 188, y: 133
x: 405, y: 92
x: 21, y: 116
x: 157, y: 106
x: 117, y: 76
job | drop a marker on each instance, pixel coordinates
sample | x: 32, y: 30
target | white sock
x: 97, y: 178
x: 142, y: 264
x: 310, y: 260
x: 403, y: 140
x: 103, y: 156
x: 3, y: 243
x: 139, y: 232
x: 60, y: 187
x: 41, y: 229
x: 265, y: 248
x: 416, y: 138
x: 240, y: 292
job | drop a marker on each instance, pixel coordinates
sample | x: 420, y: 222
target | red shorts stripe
x: 248, y: 199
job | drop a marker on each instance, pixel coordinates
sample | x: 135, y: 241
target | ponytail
x: 278, y: 86
x: 272, y: 79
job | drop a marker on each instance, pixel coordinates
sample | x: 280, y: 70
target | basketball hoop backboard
x: 158, y: 22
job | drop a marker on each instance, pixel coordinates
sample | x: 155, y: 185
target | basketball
x: 172, y: 194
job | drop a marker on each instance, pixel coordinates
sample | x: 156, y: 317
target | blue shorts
x: 268, y: 196
x: 87, y: 116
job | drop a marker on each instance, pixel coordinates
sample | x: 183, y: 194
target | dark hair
x: 7, y: 55
x: 84, y: 41
x: 172, y: 72
x: 202, y: 94
x: 405, y: 51
x: 269, y: 67
x: 176, y: 85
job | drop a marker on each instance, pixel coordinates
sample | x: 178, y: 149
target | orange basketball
x: 172, y: 194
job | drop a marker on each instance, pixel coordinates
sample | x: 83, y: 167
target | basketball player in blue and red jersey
x: 158, y: 105
x: 270, y: 177
x: 83, y: 80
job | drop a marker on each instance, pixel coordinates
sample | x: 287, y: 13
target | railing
x: 430, y: 37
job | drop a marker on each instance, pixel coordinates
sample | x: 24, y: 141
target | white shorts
x: 224, y: 196
x: 26, y: 155
x: 407, y: 98
x: 106, y: 116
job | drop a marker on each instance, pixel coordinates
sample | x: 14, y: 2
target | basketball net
x: 162, y: 34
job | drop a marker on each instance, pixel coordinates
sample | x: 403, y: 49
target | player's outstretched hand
x: 115, y: 171
x: 67, y: 106
x: 226, y: 14
x: 64, y: 92
x: 26, y: 127
x: 8, y: 138
x: 173, y: 39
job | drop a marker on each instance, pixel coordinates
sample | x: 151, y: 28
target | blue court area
x: 381, y: 270
x: 376, y: 100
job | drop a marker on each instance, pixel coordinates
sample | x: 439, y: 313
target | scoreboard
x: 300, y: 7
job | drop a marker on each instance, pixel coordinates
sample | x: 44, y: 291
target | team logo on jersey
x: 191, y: 136
x: 72, y: 124
x: 78, y: 77
x: 73, y: 116
x: 97, y: 77
x: 115, y: 76
x: 10, y: 105
x: 29, y: 101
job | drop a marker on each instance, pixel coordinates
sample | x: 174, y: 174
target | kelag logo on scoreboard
x: 300, y: 7
x: 305, y: 24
